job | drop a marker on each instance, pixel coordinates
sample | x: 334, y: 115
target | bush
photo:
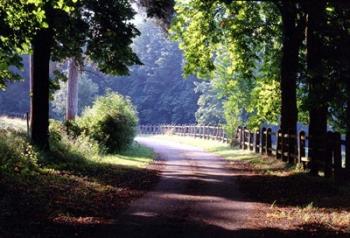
x: 111, y: 121
x: 17, y: 155
x: 69, y: 151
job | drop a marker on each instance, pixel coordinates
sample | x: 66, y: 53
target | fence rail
x: 336, y: 161
x: 198, y: 131
x: 267, y: 142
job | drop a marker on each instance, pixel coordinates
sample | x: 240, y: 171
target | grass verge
x: 288, y: 197
x: 71, y: 186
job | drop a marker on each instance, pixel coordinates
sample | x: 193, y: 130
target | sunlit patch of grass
x: 136, y: 156
x: 13, y: 123
x: 336, y: 219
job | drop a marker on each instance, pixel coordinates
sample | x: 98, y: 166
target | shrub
x: 17, y: 155
x: 111, y: 121
x: 66, y: 147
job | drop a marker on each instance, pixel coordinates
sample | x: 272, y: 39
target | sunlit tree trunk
x: 72, y: 90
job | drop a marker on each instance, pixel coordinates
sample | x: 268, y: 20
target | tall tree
x: 318, y: 106
x: 72, y: 89
x: 70, y: 26
x: 293, y: 28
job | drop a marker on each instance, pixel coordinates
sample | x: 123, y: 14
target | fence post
x: 244, y: 138
x: 28, y: 122
x: 291, y: 149
x: 284, y: 147
x: 269, y: 142
x: 301, y: 149
x: 263, y: 141
x: 257, y: 141
x: 251, y: 141
x: 239, y: 136
x: 279, y: 145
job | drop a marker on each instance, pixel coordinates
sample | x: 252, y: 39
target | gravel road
x: 197, y: 196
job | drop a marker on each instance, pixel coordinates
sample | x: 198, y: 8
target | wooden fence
x: 268, y: 142
x: 198, y: 131
x: 336, y: 161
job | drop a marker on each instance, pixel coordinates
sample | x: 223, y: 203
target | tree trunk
x: 318, y: 108
x: 40, y: 88
x: 72, y: 90
x: 293, y: 31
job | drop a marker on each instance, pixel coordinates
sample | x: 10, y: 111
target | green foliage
x: 68, y: 147
x: 157, y: 88
x: 210, y: 107
x: 111, y: 121
x: 18, y: 23
x: 17, y: 155
x: 236, y: 45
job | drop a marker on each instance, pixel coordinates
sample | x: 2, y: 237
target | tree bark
x: 318, y: 108
x: 293, y: 32
x: 72, y: 90
x: 40, y: 88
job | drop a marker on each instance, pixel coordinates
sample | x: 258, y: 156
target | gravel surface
x: 197, y: 196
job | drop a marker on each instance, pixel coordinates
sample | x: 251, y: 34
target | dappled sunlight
x: 138, y: 162
x: 286, y: 197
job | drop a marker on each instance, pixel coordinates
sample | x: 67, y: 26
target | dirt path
x: 196, y: 197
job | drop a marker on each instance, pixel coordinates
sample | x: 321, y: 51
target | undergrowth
x: 73, y: 183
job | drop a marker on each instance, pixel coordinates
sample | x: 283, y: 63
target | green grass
x: 72, y: 184
x: 137, y: 156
